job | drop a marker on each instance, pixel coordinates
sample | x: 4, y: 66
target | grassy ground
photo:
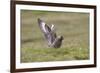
x: 74, y: 27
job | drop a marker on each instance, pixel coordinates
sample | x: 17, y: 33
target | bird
x: 53, y: 40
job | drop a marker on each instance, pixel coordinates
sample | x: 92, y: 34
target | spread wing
x: 49, y: 34
x: 45, y: 28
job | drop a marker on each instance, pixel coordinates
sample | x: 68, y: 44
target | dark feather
x: 50, y: 35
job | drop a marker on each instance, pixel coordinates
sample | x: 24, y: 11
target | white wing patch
x: 43, y: 25
x: 52, y: 27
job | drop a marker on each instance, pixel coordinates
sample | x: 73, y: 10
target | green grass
x: 52, y: 54
x: 74, y: 27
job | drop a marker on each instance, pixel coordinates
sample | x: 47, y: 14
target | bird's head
x: 60, y: 37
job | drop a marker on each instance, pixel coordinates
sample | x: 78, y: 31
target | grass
x: 60, y: 54
x: 74, y: 27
